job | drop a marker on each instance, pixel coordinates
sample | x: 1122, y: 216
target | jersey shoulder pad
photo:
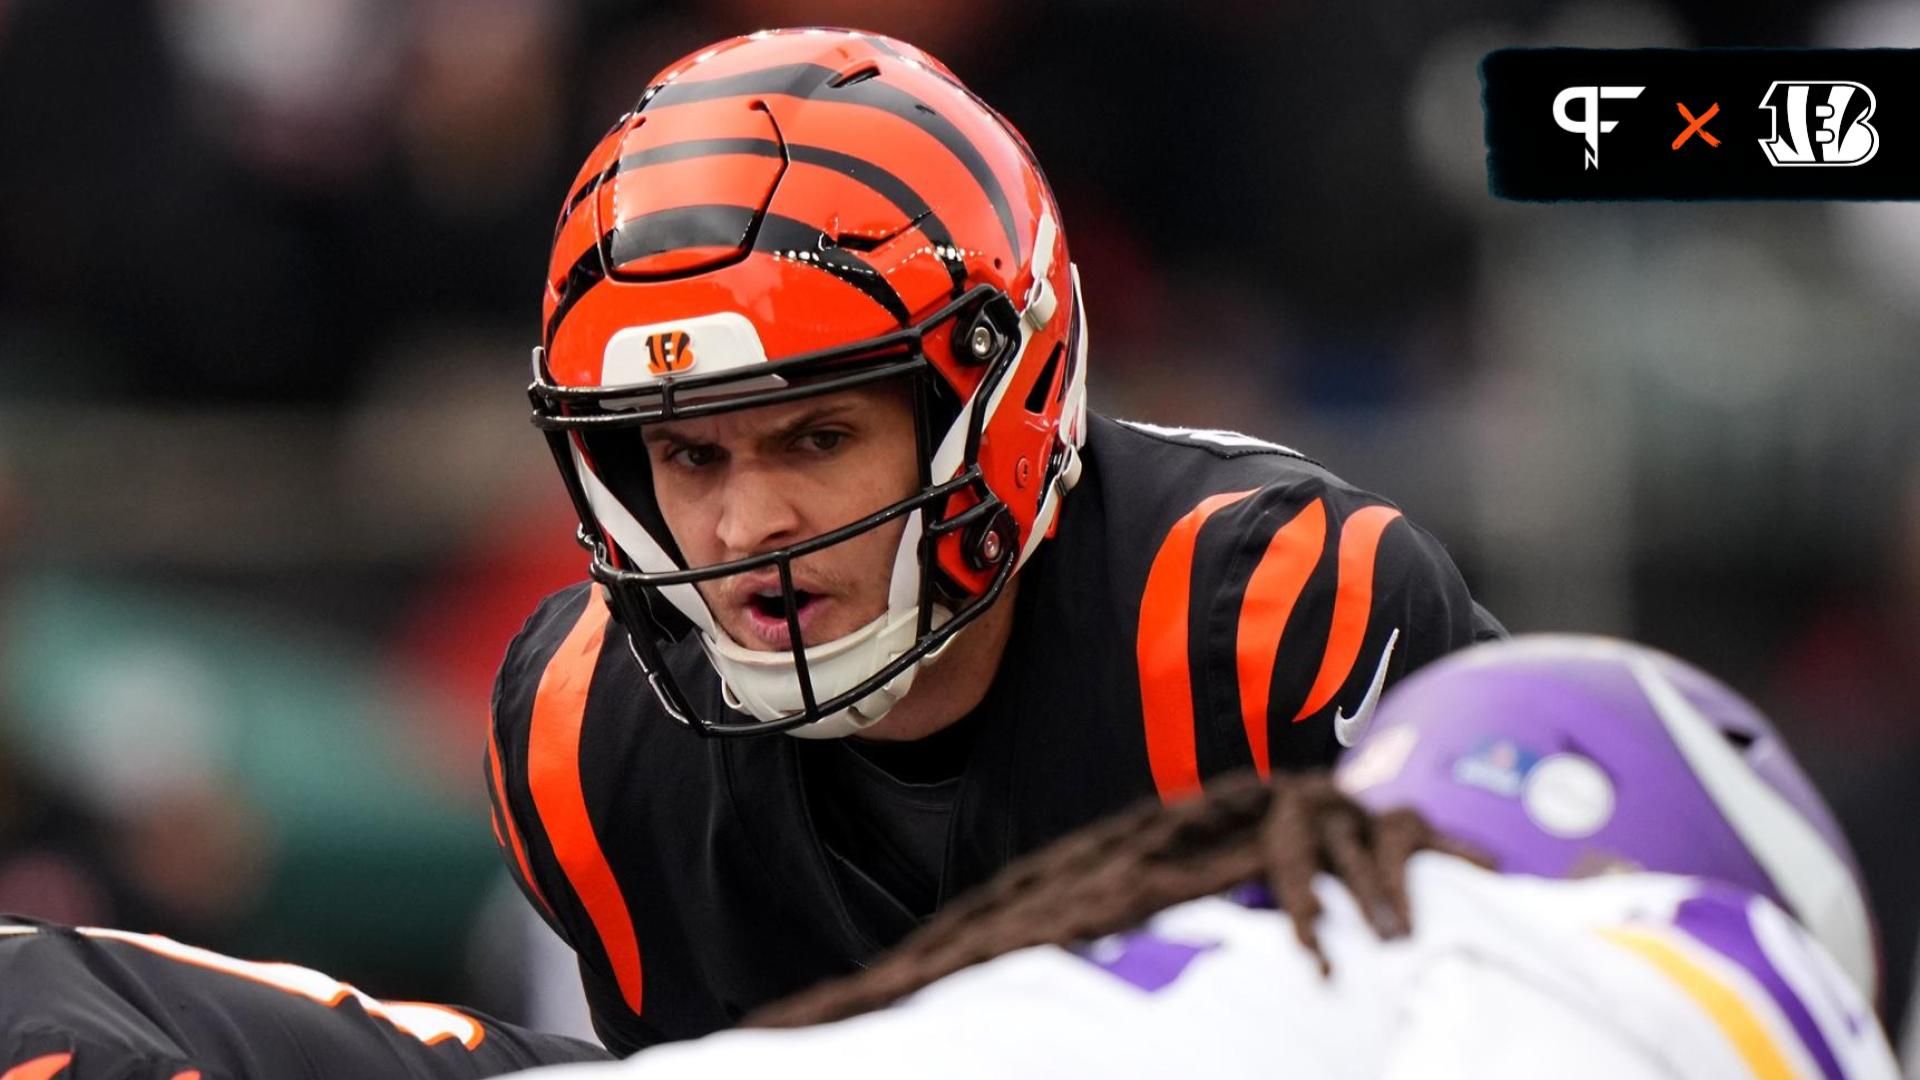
x: 508, y: 768
x: 539, y: 638
x: 1763, y: 980
x: 1217, y: 441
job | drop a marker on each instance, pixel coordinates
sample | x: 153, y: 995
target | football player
x: 1671, y: 900
x: 83, y: 1003
x: 814, y: 372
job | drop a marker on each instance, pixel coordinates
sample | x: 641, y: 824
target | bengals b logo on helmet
x: 669, y: 352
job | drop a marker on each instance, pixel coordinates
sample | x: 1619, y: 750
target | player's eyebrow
x: 805, y: 420
x: 655, y: 433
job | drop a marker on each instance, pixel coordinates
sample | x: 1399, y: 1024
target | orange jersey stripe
x: 1166, y: 681
x: 553, y: 768
x: 503, y: 820
x: 1352, y: 603
x: 41, y: 1068
x: 1272, y: 591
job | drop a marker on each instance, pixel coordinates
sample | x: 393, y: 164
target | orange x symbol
x: 1698, y: 125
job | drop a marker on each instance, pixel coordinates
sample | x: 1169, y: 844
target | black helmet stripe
x: 719, y: 226
x: 896, y: 191
x: 653, y: 234
x: 880, y: 42
x: 811, y: 81
x: 663, y: 231
x: 661, y: 155
x: 785, y: 237
x: 873, y: 177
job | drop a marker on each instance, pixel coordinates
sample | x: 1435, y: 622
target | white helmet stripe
x: 1072, y: 431
x: 1816, y: 883
x: 946, y: 459
x: 903, y: 589
x: 637, y: 542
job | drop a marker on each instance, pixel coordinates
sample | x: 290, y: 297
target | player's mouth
x: 765, y: 608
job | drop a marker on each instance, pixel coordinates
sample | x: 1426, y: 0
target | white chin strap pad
x: 766, y: 684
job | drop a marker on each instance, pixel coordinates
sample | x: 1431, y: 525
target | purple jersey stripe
x: 1253, y: 894
x: 1717, y: 918
x: 1144, y: 958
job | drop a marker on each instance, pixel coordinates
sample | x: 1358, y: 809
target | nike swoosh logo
x: 1348, y: 729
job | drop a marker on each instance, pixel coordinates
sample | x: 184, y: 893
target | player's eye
x: 821, y: 440
x: 693, y: 455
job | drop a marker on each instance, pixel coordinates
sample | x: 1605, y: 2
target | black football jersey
x: 1209, y: 602
x: 77, y: 1004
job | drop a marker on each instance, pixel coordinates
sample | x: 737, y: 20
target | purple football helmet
x: 1565, y: 756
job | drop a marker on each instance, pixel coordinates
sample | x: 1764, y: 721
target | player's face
x: 740, y: 484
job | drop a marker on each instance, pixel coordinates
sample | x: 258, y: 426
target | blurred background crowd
x: 270, y: 509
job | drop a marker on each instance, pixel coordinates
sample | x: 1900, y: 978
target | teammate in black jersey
x: 814, y: 372
x: 77, y: 1004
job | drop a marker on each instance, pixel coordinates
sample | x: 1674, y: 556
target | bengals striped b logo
x: 668, y: 352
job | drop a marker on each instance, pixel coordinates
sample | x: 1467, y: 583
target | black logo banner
x: 1598, y: 124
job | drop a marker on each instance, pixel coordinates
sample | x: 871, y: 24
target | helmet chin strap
x: 765, y: 683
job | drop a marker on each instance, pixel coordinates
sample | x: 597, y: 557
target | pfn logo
x: 1589, y: 124
x: 1826, y: 124
x: 669, y: 352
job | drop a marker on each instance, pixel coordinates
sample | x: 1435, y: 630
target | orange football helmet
x: 794, y: 213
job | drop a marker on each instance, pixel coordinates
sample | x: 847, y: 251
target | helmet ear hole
x: 1043, y: 383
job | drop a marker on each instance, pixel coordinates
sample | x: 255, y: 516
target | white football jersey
x: 1638, y: 975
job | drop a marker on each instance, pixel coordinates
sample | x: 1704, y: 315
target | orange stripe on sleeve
x: 1272, y: 591
x: 1166, y: 683
x: 1352, y: 603
x: 503, y: 813
x: 40, y: 1068
x: 553, y: 769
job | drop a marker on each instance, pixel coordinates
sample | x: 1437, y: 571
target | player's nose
x: 757, y: 513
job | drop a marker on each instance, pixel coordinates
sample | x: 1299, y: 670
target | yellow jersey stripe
x: 1715, y: 997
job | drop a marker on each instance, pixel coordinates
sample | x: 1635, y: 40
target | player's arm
x: 517, y: 830
x: 118, y: 1003
x: 540, y: 820
x: 1384, y: 599
x: 1309, y: 598
x: 620, y: 1029
x: 1734, y: 970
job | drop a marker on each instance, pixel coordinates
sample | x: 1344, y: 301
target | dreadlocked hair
x: 1113, y: 875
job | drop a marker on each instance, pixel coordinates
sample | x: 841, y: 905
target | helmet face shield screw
x: 980, y: 341
x: 990, y: 546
